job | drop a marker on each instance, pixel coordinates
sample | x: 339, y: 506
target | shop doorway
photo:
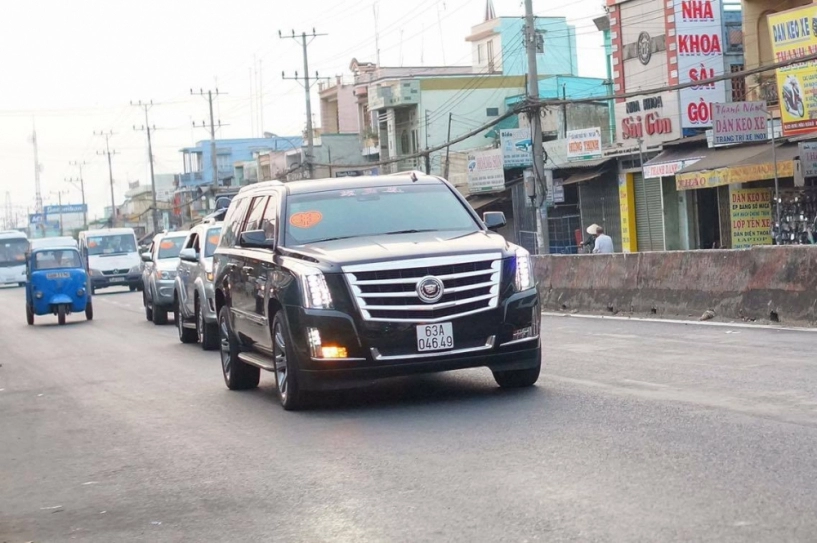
x: 709, y: 232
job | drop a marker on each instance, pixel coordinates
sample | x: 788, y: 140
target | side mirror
x: 146, y: 257
x: 255, y: 239
x: 189, y: 255
x: 494, y: 220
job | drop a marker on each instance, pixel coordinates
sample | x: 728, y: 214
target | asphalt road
x: 114, y: 431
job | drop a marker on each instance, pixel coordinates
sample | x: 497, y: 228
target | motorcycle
x: 793, y: 100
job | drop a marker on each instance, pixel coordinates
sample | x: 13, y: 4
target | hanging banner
x: 739, y: 122
x: 794, y: 35
x: 751, y: 217
x: 584, y: 144
x: 485, y: 171
x: 808, y: 158
x: 517, y: 147
x: 700, y: 56
x: 734, y: 174
x: 626, y: 200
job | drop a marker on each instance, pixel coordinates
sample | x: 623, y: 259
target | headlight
x: 165, y: 274
x: 95, y: 272
x: 209, y: 276
x: 524, y: 270
x: 135, y: 269
x: 316, y: 292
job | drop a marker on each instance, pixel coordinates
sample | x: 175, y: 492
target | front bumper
x: 119, y: 280
x: 163, y: 292
x: 388, y: 349
x: 208, y: 307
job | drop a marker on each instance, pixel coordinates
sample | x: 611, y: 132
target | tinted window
x: 256, y: 213
x: 234, y: 218
x: 56, y: 259
x: 111, y: 244
x: 211, y: 241
x: 373, y: 211
x: 170, y: 247
x: 13, y: 252
x: 270, y: 217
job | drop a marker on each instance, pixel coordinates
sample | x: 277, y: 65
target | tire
x: 132, y: 288
x: 237, y: 374
x: 800, y: 110
x: 89, y: 311
x: 207, y: 332
x: 159, y: 316
x: 21, y: 284
x: 61, y: 314
x: 518, y: 378
x: 286, y: 369
x: 148, y: 309
x: 29, y: 315
x: 186, y: 335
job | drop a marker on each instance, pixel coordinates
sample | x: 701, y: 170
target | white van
x: 112, y: 258
x: 60, y: 241
x: 13, y: 249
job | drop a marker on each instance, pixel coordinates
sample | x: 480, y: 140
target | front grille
x: 386, y: 291
x: 115, y: 272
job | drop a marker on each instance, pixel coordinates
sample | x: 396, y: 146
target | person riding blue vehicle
x: 57, y: 284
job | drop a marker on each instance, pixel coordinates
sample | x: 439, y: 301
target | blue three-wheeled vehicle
x: 57, y: 284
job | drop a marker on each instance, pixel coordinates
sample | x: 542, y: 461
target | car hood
x: 331, y: 256
x: 167, y: 264
x: 113, y: 262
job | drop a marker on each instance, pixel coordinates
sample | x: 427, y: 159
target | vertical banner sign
x: 794, y: 34
x: 485, y: 171
x: 739, y: 122
x: 626, y: 199
x: 751, y: 217
x: 517, y: 147
x: 808, y: 158
x: 700, y: 56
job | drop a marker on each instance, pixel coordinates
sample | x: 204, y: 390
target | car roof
x: 345, y: 183
x: 174, y: 234
x: 55, y: 248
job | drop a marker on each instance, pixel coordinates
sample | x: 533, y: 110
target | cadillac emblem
x: 430, y: 289
x: 644, y: 48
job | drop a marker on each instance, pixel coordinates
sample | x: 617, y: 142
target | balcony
x: 397, y: 94
x: 190, y: 179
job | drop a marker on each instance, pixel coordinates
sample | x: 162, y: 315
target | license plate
x: 117, y: 279
x: 435, y: 337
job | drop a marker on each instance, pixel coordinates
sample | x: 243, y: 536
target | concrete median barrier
x: 762, y: 283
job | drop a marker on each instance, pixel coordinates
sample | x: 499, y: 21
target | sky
x: 71, y: 68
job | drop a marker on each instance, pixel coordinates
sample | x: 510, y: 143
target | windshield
x: 211, y: 242
x: 13, y: 252
x: 56, y: 259
x: 170, y: 247
x: 374, y: 211
x: 111, y: 244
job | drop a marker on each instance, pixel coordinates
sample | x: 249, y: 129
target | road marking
x: 681, y: 321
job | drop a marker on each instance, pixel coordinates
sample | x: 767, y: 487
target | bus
x: 13, y: 249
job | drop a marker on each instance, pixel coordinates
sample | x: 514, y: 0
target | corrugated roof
x: 676, y: 154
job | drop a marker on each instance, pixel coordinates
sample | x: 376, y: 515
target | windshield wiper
x: 114, y: 254
x: 333, y: 239
x: 410, y: 231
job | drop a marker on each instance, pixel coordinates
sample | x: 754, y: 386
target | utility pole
x: 59, y: 194
x: 536, y: 128
x: 448, y: 148
x: 146, y: 127
x: 107, y: 135
x: 213, y: 157
x: 81, y: 187
x: 10, y: 224
x: 305, y: 40
x: 38, y: 196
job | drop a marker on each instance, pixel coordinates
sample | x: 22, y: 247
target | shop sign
x: 485, y: 171
x: 652, y: 119
x: 584, y: 143
x: 517, y: 147
x: 66, y: 209
x: 700, y: 56
x: 794, y: 35
x: 808, y: 158
x: 667, y: 169
x: 751, y: 216
x: 735, y: 174
x: 739, y: 122
x: 626, y: 200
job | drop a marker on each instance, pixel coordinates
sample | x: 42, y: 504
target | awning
x: 587, y: 175
x: 554, y: 163
x: 478, y: 202
x: 671, y: 160
x: 739, y: 164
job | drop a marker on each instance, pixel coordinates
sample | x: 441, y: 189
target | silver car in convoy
x: 194, y: 303
x: 159, y: 274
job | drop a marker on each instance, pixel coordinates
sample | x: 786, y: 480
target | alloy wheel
x: 224, y: 336
x: 280, y: 355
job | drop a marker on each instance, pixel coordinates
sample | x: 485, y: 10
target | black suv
x: 331, y: 283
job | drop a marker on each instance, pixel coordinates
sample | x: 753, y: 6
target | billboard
x: 66, y: 209
x: 517, y: 147
x: 751, y: 215
x: 485, y: 171
x: 739, y: 122
x: 794, y: 34
x: 700, y: 56
x: 584, y: 144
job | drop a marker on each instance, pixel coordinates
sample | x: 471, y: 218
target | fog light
x: 333, y: 352
x: 81, y: 293
x: 38, y: 295
x: 313, y: 336
x: 522, y: 333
